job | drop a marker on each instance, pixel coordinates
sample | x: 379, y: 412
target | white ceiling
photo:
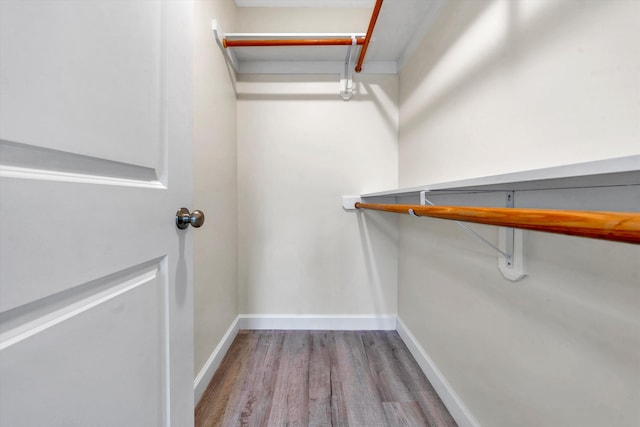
x: 401, y: 26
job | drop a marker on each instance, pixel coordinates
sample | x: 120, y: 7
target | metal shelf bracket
x: 346, y: 76
x: 510, y: 242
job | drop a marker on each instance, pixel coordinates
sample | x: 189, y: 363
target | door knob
x: 184, y: 218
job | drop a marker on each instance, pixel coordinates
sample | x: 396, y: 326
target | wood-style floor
x: 320, y: 378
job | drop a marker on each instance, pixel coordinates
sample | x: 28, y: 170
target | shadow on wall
x: 316, y: 87
x: 515, y: 39
x: 447, y: 30
x: 390, y: 117
x: 376, y: 231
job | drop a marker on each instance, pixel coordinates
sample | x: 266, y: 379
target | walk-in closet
x: 320, y: 213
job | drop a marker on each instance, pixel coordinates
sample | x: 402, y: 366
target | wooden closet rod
x: 367, y: 38
x: 616, y: 226
x: 291, y: 42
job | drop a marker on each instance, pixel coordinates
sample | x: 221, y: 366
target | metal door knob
x: 184, y: 218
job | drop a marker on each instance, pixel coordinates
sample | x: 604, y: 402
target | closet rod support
x: 367, y: 38
x: 510, y: 242
x: 220, y: 40
x: 346, y: 76
x: 424, y: 201
x: 291, y: 42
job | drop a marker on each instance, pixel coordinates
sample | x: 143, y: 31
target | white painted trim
x: 451, y: 400
x: 206, y: 373
x: 47, y: 175
x: 318, y: 322
x: 349, y: 202
x: 220, y: 35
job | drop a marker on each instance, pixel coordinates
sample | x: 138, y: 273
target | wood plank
x: 226, y: 382
x: 290, y: 404
x: 385, y: 369
x: 404, y: 414
x: 364, y: 407
x: 320, y: 378
x: 433, y: 409
x: 254, y: 406
x: 339, y: 416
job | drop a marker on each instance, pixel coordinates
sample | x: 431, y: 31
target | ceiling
x: 401, y: 26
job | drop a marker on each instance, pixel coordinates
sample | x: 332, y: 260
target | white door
x: 95, y: 278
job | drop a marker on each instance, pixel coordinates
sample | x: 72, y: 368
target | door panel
x: 95, y: 159
x: 127, y: 344
x: 61, y: 57
x: 68, y: 249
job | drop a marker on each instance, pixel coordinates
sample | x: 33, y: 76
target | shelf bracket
x: 228, y: 54
x: 346, y: 76
x: 510, y: 243
x: 349, y: 203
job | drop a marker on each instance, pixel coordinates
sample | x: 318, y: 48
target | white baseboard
x: 451, y: 400
x: 206, y: 373
x: 318, y: 322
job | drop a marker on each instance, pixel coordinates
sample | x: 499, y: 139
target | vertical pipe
x: 372, y: 24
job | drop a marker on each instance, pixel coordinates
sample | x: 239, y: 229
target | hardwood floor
x: 320, y: 378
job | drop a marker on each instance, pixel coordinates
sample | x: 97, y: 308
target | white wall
x: 215, y: 182
x: 534, y: 83
x: 501, y: 86
x: 300, y: 148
